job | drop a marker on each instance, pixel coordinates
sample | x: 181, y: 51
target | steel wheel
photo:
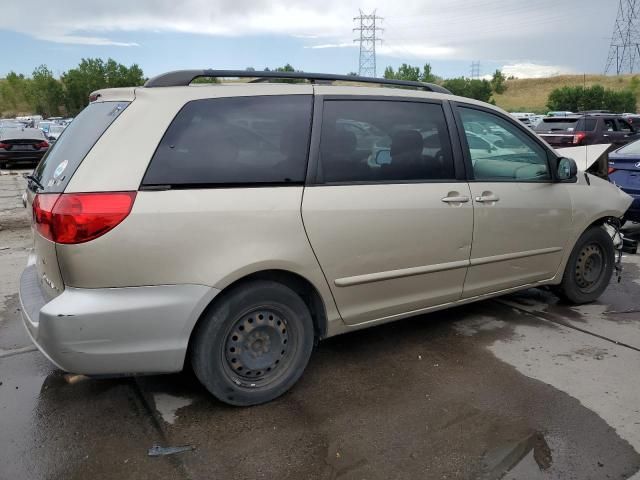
x: 589, y: 267
x: 257, y: 347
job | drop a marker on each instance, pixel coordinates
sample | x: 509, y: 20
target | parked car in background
x: 44, y: 125
x: 54, y: 132
x: 624, y: 171
x: 559, y: 113
x: 632, y: 118
x: 589, y: 129
x: 10, y: 123
x: 305, y: 237
x: 25, y: 146
x: 524, y: 117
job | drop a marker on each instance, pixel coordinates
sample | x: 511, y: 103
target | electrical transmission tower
x: 368, y: 28
x: 475, y: 70
x: 624, y: 51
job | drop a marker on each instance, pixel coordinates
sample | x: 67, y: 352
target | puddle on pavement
x: 524, y: 459
x: 167, y: 405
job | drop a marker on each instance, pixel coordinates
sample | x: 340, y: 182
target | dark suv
x: 586, y: 129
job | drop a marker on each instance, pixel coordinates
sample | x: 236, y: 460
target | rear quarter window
x: 235, y: 141
x: 63, y: 158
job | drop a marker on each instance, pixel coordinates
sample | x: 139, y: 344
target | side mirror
x: 383, y: 157
x: 567, y: 168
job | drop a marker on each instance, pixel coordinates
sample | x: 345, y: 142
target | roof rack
x: 181, y: 78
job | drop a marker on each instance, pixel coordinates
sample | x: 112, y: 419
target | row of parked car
x: 25, y: 140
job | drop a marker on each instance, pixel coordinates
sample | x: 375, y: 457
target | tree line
x: 46, y: 95
x: 596, y: 97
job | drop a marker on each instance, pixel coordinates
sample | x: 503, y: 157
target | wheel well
x: 295, y: 282
x: 599, y: 222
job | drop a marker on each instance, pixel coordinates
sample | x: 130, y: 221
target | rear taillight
x: 4, y: 145
x: 578, y: 137
x: 611, y: 170
x: 79, y: 217
x: 42, y: 144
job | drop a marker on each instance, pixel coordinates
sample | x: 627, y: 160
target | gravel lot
x: 521, y: 387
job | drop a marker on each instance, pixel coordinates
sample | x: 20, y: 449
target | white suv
x: 231, y: 226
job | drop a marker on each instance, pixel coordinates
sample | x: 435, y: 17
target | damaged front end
x: 620, y: 243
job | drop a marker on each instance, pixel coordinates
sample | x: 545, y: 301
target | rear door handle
x: 487, y: 197
x: 456, y: 199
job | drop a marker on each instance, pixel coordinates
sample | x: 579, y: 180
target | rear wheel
x: 4, y: 165
x: 589, y: 268
x: 254, y: 344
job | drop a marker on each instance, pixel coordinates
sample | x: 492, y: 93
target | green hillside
x: 530, y: 94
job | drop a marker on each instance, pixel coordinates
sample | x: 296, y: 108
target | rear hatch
x: 561, y: 131
x: 624, y: 168
x: 51, y: 177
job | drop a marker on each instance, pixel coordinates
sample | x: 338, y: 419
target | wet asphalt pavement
x: 521, y: 387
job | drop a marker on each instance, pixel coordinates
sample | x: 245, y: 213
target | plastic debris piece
x: 158, y: 451
x: 72, y: 378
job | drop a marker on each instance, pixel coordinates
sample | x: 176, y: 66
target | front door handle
x: 456, y: 199
x: 487, y: 197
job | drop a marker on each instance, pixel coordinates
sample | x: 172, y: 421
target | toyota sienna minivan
x: 231, y: 226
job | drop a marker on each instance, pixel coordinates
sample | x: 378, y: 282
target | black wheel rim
x: 590, y: 267
x: 258, y: 347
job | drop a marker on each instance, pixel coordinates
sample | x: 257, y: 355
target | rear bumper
x: 113, y: 331
x: 21, y: 157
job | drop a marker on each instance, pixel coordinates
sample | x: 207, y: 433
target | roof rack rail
x: 181, y: 78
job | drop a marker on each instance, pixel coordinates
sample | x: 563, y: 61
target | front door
x: 387, y: 218
x: 522, y: 219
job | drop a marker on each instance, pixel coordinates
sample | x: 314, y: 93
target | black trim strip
x: 202, y: 186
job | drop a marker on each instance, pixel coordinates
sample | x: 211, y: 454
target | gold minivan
x: 234, y: 225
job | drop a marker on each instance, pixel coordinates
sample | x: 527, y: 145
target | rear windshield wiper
x: 34, y: 180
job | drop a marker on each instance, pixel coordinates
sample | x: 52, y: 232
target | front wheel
x: 254, y: 344
x: 589, y: 268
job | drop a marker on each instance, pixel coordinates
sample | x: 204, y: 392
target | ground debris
x: 158, y: 451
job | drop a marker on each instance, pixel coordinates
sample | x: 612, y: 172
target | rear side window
x: 63, y: 158
x: 589, y: 125
x: 239, y: 140
x: 384, y: 141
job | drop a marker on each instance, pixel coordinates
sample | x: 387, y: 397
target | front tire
x: 254, y: 344
x: 589, y: 269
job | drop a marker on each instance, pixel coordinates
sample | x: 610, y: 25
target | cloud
x: 532, y: 70
x: 420, y: 51
x: 80, y: 40
x: 332, y: 45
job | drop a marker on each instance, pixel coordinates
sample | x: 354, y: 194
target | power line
x: 624, y: 50
x: 368, y: 28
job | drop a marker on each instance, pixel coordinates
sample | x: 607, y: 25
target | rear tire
x: 254, y: 344
x: 4, y: 165
x: 589, y: 269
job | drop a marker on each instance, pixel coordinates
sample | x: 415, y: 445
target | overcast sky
x: 522, y: 37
